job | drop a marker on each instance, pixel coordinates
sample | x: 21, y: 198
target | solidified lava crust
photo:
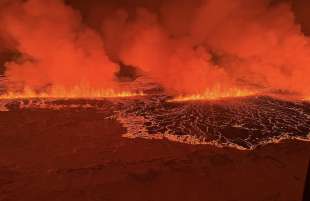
x: 241, y: 122
x: 245, y: 122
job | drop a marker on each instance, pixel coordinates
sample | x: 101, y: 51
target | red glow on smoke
x: 189, y: 47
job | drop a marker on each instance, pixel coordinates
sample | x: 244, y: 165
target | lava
x: 215, y: 94
x: 72, y: 93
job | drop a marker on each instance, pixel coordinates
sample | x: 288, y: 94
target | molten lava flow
x: 73, y: 93
x: 215, y: 94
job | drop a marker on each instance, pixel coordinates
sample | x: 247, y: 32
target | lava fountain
x: 78, y: 92
x: 215, y: 93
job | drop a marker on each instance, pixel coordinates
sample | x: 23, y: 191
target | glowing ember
x: 215, y: 94
x: 73, y: 93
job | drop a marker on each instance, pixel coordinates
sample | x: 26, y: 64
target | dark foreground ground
x: 70, y: 155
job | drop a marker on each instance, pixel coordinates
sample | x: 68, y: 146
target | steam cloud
x: 187, y: 46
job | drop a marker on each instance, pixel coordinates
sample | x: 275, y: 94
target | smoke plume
x: 186, y: 46
x: 56, y: 47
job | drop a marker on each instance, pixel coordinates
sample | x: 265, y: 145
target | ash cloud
x: 186, y: 46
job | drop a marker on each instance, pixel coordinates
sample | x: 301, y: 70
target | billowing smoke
x: 191, y: 46
x: 186, y: 46
x: 56, y: 48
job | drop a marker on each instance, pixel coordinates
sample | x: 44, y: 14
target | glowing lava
x: 73, y: 93
x: 215, y: 94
